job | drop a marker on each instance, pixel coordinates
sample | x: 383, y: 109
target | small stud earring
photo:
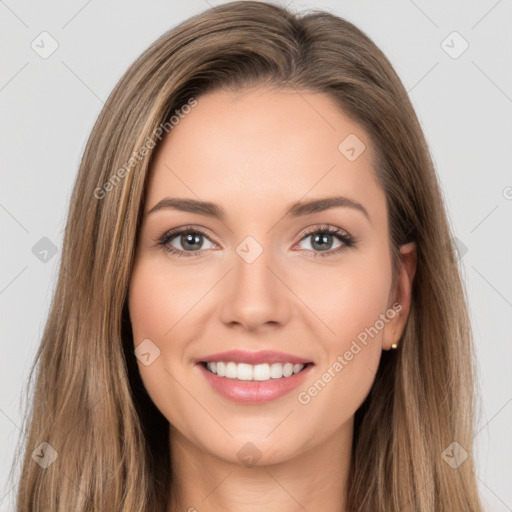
x: 394, y: 345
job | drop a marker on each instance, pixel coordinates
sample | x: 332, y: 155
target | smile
x: 249, y: 372
x: 275, y: 380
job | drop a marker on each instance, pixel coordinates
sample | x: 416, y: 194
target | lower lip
x: 254, y: 392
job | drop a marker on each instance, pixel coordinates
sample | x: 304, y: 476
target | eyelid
x: 323, y: 227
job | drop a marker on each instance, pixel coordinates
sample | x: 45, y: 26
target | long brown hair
x: 89, y: 403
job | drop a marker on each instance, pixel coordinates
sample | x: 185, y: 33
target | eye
x: 322, y: 241
x: 189, y: 240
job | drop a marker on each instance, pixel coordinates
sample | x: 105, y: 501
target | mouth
x: 250, y: 377
x: 259, y: 383
x: 254, y: 372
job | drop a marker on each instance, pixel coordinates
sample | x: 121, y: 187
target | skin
x: 253, y: 153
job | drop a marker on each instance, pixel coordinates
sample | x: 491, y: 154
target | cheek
x: 350, y: 299
x: 158, y: 301
x: 358, y: 296
x: 156, y: 308
x: 145, y: 306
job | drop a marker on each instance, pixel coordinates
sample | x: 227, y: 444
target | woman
x: 258, y: 306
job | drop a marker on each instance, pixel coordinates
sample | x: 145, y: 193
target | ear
x: 400, y: 296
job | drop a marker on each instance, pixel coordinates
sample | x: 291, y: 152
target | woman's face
x: 257, y: 275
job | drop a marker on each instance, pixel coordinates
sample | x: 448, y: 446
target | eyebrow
x: 297, y: 209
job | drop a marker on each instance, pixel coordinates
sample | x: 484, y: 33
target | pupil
x: 323, y: 241
x: 193, y: 240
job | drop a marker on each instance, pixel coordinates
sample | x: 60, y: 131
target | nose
x: 254, y: 294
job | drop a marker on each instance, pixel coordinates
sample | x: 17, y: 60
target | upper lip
x: 244, y: 356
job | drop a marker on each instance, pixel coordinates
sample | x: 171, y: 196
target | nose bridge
x: 251, y: 270
x: 255, y: 295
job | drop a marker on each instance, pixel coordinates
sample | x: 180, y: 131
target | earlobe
x: 402, y: 294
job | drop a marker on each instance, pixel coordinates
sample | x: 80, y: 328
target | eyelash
x: 347, y: 241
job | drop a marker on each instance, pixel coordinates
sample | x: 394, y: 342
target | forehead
x: 260, y: 146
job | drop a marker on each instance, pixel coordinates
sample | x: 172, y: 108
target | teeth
x: 259, y: 372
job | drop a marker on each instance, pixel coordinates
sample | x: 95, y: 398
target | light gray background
x: 464, y: 104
